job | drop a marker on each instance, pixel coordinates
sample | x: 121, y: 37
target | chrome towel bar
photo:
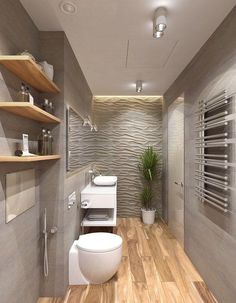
x: 213, y: 125
x: 224, y: 209
x: 213, y: 121
x: 218, y: 95
x: 224, y: 140
x: 211, y: 174
x: 224, y: 113
x: 219, y: 182
x: 211, y: 156
x: 220, y: 144
x: 219, y: 104
x: 212, y: 165
x: 224, y: 204
x: 213, y: 194
x: 213, y: 150
x: 222, y: 92
x: 212, y: 184
x: 212, y: 136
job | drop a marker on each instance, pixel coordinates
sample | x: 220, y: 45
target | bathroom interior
x: 117, y: 151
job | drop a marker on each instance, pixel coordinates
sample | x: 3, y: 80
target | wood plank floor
x: 154, y: 269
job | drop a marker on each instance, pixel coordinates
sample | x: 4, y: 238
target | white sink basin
x: 105, y: 180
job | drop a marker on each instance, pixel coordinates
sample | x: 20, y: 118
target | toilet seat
x: 99, y: 242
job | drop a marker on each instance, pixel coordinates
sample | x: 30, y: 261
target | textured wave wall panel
x: 81, y: 143
x: 126, y: 126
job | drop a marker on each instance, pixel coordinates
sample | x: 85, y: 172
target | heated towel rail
x: 213, y: 127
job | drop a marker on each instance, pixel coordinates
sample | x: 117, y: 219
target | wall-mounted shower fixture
x: 52, y: 231
x: 139, y: 86
x: 45, y: 233
x: 159, y: 22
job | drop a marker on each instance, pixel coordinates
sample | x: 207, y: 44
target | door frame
x: 182, y: 96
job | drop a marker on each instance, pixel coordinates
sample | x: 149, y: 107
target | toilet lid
x: 99, y: 242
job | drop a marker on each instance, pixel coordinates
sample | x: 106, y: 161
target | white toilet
x: 94, y: 258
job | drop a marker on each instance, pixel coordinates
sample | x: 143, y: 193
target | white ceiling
x: 112, y: 39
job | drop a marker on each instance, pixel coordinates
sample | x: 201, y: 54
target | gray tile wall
x: 126, y: 126
x: 55, y: 183
x: 210, y: 236
x: 19, y: 239
x: 79, y: 96
x: 21, y: 275
x: 52, y: 174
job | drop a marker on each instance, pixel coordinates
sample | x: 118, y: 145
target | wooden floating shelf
x: 27, y: 110
x: 28, y: 159
x: 30, y: 72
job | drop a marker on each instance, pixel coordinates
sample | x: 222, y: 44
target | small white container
x: 48, y: 69
x: 148, y: 216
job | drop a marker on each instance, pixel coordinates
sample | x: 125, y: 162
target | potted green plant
x: 148, y: 167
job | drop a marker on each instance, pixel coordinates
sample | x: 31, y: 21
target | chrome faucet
x: 93, y: 173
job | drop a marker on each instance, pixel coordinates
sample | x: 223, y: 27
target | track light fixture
x: 139, y: 86
x: 159, y: 22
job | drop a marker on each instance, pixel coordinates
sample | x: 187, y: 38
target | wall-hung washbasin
x: 93, y: 196
x: 105, y: 180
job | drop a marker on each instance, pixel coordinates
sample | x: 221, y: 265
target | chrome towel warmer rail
x: 212, y: 145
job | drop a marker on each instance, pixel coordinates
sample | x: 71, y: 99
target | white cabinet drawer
x: 99, y: 201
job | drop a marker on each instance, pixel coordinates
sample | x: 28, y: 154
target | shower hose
x: 45, y: 257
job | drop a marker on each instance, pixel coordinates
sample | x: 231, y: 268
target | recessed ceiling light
x: 68, y: 7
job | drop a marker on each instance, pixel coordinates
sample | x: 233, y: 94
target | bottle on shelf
x: 42, y: 142
x: 22, y: 95
x: 45, y: 146
x: 30, y: 98
x: 51, y: 108
x: 45, y: 105
x: 18, y: 150
x: 50, y: 142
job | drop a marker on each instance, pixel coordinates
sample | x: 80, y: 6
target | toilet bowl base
x: 92, y: 267
x: 75, y: 275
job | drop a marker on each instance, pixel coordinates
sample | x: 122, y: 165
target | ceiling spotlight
x: 159, y: 22
x: 158, y: 34
x: 139, y: 86
x: 68, y: 7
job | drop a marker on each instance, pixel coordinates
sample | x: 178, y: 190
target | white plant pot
x: 148, y: 216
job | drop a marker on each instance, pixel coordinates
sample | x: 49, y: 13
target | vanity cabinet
x: 94, y: 199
